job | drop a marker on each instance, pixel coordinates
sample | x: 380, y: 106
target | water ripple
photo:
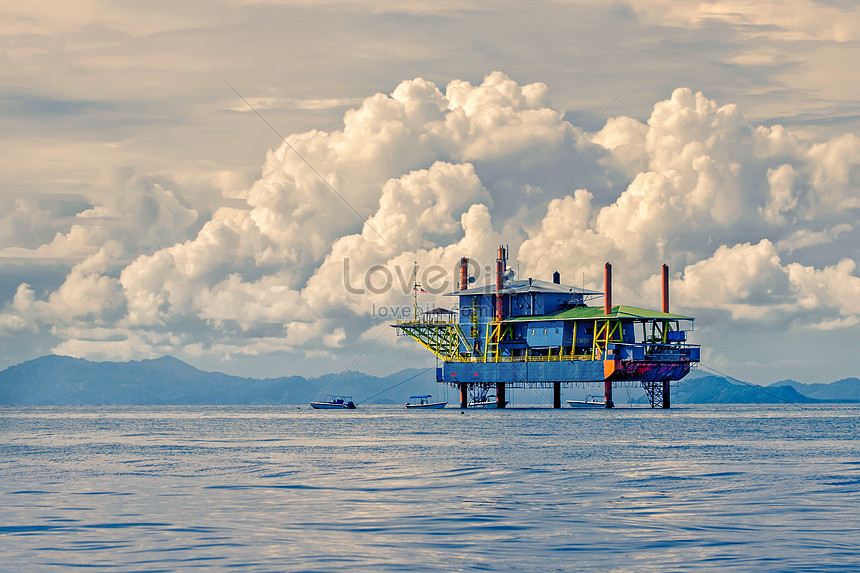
x: 186, y: 488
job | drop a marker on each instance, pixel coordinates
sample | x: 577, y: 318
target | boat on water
x: 335, y: 403
x: 589, y: 402
x: 486, y: 401
x: 424, y: 402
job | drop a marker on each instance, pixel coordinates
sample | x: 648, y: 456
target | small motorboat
x: 589, y: 402
x: 485, y: 401
x: 424, y: 402
x: 335, y: 403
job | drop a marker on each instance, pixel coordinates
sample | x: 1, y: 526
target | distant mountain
x: 718, y: 390
x: 63, y: 380
x: 845, y: 389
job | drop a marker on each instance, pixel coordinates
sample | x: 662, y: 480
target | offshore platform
x: 537, y: 334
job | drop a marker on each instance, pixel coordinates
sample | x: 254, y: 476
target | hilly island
x: 63, y: 380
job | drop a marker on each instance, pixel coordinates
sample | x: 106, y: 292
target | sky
x: 248, y: 185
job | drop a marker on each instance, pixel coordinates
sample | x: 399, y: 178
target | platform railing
x: 656, y: 352
x: 425, y: 321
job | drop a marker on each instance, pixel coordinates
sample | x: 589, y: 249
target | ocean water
x: 761, y: 488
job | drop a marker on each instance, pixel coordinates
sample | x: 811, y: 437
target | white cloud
x: 749, y: 280
x: 835, y: 174
x: 806, y: 238
x: 712, y: 180
x: 277, y: 266
x: 752, y: 283
x: 135, y: 219
x: 783, y: 194
x: 833, y: 287
x: 88, y: 296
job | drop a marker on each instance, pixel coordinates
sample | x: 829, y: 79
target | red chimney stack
x: 665, y: 288
x: 607, y: 289
x: 500, y: 283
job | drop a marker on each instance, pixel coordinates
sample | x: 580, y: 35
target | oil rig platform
x: 537, y: 334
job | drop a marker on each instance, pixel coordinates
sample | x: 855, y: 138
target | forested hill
x: 64, y: 380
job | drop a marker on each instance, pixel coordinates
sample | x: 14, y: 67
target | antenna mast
x: 415, y: 288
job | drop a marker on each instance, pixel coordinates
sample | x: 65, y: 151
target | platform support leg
x: 666, y: 400
x: 500, y: 394
x: 556, y: 394
x: 464, y: 395
x: 607, y: 392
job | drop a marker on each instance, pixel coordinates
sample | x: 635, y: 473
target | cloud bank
x: 301, y: 267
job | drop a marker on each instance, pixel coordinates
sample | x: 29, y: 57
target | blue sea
x: 287, y: 488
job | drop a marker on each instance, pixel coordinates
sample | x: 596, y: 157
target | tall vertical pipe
x: 607, y: 289
x: 607, y: 309
x: 500, y: 284
x: 464, y: 395
x: 667, y: 400
x: 500, y: 395
x: 665, y: 288
x: 464, y: 273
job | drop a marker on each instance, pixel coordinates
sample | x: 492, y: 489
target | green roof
x: 593, y: 312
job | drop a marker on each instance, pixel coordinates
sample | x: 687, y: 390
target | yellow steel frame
x: 491, y: 342
x: 442, y: 339
x: 606, y: 333
x: 445, y: 339
x: 496, y: 332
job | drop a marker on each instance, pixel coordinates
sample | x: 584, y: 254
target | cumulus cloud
x: 752, y: 283
x: 832, y: 288
x: 749, y: 280
x: 412, y: 178
x: 138, y: 217
x: 835, y: 175
x: 30, y: 220
x: 718, y: 200
x: 273, y: 271
x: 290, y: 245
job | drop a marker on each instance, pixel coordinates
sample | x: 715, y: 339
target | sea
x: 380, y: 488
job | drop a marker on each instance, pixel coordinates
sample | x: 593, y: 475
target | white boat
x: 486, y: 401
x: 335, y: 403
x: 424, y: 402
x: 589, y: 402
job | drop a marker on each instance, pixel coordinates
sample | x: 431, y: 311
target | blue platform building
x: 534, y: 333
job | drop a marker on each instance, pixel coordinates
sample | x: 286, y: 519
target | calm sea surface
x: 385, y: 489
